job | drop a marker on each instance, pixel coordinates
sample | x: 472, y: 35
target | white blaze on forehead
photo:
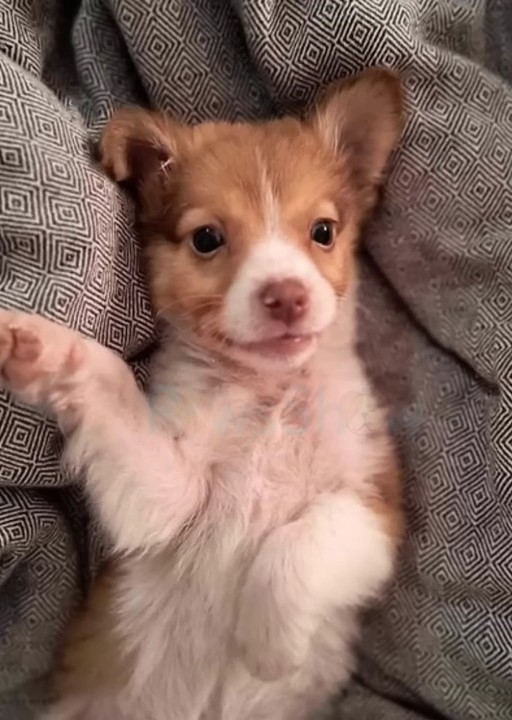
x: 270, y: 204
x: 271, y: 260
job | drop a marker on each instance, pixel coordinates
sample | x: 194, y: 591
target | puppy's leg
x: 305, y: 694
x: 337, y: 555
x: 134, y: 474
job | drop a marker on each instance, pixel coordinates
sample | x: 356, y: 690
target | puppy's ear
x: 362, y: 119
x: 137, y: 145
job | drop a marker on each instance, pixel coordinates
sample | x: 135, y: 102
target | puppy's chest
x: 261, y: 457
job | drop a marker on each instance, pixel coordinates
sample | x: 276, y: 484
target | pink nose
x: 285, y: 300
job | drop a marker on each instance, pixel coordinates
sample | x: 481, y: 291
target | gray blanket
x: 436, y: 300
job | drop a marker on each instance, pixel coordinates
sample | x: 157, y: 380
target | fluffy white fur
x: 245, y: 542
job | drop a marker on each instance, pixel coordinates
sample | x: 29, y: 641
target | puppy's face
x: 250, y: 229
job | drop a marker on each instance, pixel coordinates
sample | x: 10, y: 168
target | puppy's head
x: 250, y: 229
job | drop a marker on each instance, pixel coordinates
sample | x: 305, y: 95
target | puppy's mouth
x: 287, y: 345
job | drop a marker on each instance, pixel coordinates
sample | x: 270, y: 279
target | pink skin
x: 284, y: 346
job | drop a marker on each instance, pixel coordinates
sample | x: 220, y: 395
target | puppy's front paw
x: 38, y: 359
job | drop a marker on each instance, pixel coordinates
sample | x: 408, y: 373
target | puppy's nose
x: 285, y: 300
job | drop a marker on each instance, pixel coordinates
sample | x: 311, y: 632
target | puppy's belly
x: 177, y: 614
x: 157, y: 629
x: 191, y: 675
x: 156, y: 639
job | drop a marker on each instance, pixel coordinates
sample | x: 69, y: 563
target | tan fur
x: 304, y: 180
x: 91, y: 658
x: 386, y: 501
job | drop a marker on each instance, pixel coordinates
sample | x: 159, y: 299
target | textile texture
x: 436, y: 300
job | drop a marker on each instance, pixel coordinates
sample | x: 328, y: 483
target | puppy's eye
x: 207, y: 240
x: 322, y: 233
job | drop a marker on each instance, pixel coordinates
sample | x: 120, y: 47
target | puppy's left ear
x: 136, y: 144
x: 361, y: 119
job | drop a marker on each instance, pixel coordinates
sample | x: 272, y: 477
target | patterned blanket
x: 436, y: 299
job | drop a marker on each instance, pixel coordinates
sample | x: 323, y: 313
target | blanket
x: 435, y: 302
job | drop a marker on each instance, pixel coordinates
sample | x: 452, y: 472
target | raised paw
x: 39, y: 359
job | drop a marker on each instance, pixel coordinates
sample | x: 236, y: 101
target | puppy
x: 253, y: 496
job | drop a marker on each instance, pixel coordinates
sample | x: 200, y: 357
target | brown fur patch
x: 385, y: 497
x: 91, y: 659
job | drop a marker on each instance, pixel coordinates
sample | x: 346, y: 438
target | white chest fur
x: 264, y: 452
x: 265, y: 458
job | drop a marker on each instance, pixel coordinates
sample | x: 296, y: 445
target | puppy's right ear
x: 139, y: 144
